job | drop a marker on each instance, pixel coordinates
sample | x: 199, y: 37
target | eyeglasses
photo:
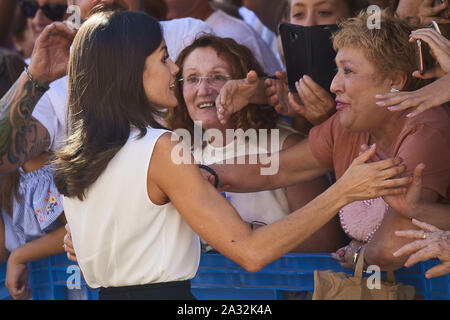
x: 54, y: 12
x: 215, y: 80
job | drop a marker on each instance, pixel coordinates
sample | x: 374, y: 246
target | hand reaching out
x: 430, y: 242
x: 363, y: 180
x: 439, y: 49
x: 236, y: 95
x: 316, y: 104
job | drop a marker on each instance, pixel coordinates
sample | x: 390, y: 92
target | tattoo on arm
x: 21, y: 136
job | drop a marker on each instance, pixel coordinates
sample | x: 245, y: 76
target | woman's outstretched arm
x: 216, y: 221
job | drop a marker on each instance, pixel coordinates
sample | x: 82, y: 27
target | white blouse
x: 120, y: 237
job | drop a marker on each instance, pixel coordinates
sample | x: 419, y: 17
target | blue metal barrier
x: 219, y: 278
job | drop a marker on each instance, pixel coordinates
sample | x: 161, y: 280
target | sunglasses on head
x: 54, y: 12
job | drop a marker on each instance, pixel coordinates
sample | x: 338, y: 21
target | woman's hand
x: 432, y: 95
x: 277, y: 93
x: 430, y: 243
x: 421, y: 11
x: 316, y: 104
x: 439, y: 49
x: 17, y: 279
x: 427, y: 12
x: 50, y: 56
x: 345, y: 254
x: 363, y: 180
x: 408, y: 204
x: 68, y: 245
x: 236, y: 95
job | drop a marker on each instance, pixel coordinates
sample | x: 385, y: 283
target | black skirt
x: 177, y: 290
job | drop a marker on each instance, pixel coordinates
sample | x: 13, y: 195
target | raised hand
x: 51, y: 52
x: 439, y: 49
x: 277, y: 92
x: 17, y: 279
x: 236, y: 95
x: 363, y: 180
x: 408, y: 204
x: 316, y: 104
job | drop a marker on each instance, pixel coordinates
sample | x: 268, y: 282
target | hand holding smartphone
x: 421, y: 48
x: 309, y: 51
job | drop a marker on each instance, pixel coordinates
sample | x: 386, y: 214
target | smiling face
x: 356, y: 84
x: 318, y: 12
x: 159, y: 78
x: 200, y: 98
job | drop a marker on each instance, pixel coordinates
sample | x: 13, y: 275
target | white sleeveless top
x: 264, y: 206
x: 120, y: 237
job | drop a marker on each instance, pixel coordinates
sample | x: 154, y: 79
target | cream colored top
x: 120, y: 237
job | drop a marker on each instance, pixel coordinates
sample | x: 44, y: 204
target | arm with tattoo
x: 21, y: 136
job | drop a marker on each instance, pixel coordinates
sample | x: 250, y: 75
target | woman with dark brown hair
x: 132, y: 209
x: 213, y: 59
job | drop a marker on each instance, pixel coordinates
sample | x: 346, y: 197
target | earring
x: 394, y: 90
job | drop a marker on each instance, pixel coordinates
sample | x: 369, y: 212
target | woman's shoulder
x: 431, y: 124
x: 437, y: 118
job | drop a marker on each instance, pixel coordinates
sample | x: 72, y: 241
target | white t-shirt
x: 120, y: 236
x: 266, y: 34
x: 51, y: 109
x: 227, y: 26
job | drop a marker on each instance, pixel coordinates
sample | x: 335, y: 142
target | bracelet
x: 210, y: 170
x: 40, y: 87
x: 258, y: 223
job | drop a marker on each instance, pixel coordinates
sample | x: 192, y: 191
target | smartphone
x: 309, y: 51
x: 422, y: 47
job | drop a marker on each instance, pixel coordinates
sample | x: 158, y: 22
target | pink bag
x: 361, y: 219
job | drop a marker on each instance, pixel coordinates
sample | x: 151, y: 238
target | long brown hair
x: 106, y: 94
x: 241, y: 61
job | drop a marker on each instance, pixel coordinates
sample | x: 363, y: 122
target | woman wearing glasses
x: 131, y: 208
x: 205, y: 66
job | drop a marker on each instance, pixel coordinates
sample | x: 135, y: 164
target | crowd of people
x: 94, y: 119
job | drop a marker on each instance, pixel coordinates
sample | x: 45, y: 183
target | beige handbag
x: 329, y: 285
